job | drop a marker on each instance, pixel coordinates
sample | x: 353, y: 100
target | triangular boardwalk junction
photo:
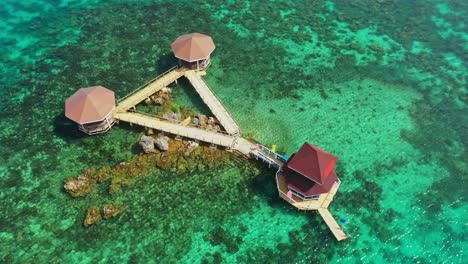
x: 307, y: 180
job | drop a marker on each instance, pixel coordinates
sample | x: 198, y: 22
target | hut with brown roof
x: 91, y: 108
x: 193, y: 50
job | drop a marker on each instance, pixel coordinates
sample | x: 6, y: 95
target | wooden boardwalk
x: 177, y: 129
x: 231, y: 140
x: 213, y: 103
x: 321, y: 205
x: 332, y: 224
x: 149, y: 89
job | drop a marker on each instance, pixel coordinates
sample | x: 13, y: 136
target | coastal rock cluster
x: 148, y: 144
x: 83, y: 184
x: 94, y: 214
x: 206, y: 123
x: 174, y: 156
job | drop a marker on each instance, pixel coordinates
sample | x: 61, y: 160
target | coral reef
x: 83, y: 184
x: 112, y: 210
x: 147, y: 144
x: 93, y: 216
x: 162, y: 143
x: 78, y: 186
x: 179, y: 157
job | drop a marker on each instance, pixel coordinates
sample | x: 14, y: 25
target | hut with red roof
x: 308, y: 179
x: 91, y: 108
x: 193, y: 50
x: 310, y: 172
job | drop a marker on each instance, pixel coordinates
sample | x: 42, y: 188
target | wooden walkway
x: 213, y: 103
x: 231, y: 140
x: 176, y: 129
x: 321, y: 205
x: 149, y: 89
x: 332, y: 224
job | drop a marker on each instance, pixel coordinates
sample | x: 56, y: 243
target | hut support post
x: 198, y: 65
x: 107, y: 121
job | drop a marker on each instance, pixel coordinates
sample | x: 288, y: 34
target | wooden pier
x: 148, y: 89
x: 332, y: 224
x: 231, y: 139
x: 177, y: 129
x: 321, y: 205
x: 213, y: 103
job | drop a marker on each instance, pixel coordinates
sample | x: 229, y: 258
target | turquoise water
x: 380, y: 84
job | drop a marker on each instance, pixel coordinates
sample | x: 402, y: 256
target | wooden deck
x: 176, y: 129
x: 332, y: 224
x: 231, y: 140
x: 321, y: 205
x: 149, y: 89
x: 213, y: 103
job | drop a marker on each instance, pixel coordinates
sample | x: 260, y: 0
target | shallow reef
x: 181, y: 157
x: 380, y: 84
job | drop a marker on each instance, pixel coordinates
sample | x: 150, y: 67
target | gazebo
x: 91, y: 108
x: 193, y: 50
x: 308, y: 181
x: 310, y: 172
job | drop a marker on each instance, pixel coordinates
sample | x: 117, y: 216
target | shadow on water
x: 165, y: 62
x: 66, y: 129
x: 185, y: 89
x: 264, y: 185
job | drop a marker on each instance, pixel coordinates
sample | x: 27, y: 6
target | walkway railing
x: 176, y: 129
x: 194, y: 79
x: 267, y: 159
x: 283, y: 194
x: 167, y: 119
x: 271, y: 153
x: 146, y: 84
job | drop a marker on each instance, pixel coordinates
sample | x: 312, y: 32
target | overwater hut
x: 193, y: 50
x: 91, y: 108
x: 308, y: 174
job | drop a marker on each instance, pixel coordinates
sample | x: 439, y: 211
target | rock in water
x: 162, y: 143
x: 93, y: 215
x: 78, y: 186
x: 147, y: 144
x: 211, y: 121
x: 149, y: 132
x: 112, y: 210
x: 195, y: 121
x: 191, y: 146
x: 203, y: 120
x: 166, y: 90
x: 159, y: 101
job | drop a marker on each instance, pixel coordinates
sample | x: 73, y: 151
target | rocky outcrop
x: 196, y: 121
x: 112, y: 210
x: 147, y: 144
x: 149, y: 132
x: 190, y: 147
x: 78, y: 186
x: 93, y: 215
x: 166, y: 90
x: 162, y: 143
x: 203, y: 120
x: 211, y: 121
x: 158, y: 101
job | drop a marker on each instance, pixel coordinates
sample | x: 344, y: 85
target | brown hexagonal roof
x: 193, y: 47
x: 90, y: 104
